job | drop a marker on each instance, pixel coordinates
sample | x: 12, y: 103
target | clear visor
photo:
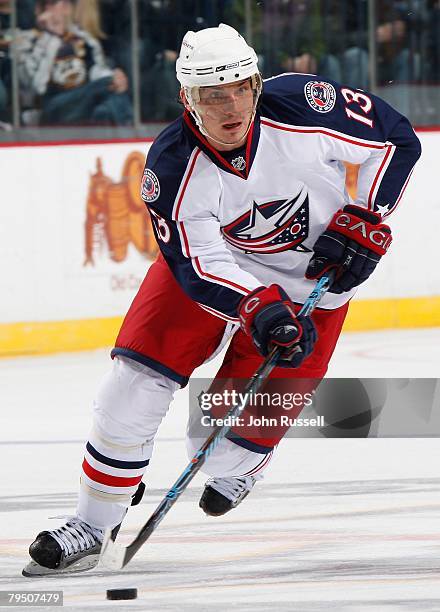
x: 238, y: 100
x: 224, y: 95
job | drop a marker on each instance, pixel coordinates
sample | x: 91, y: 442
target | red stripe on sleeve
x: 188, y: 176
x: 322, y: 131
x: 185, y: 239
x: 218, y: 278
x: 376, y: 178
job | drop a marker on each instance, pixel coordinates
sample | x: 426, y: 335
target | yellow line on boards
x: 397, y: 313
x: 34, y: 338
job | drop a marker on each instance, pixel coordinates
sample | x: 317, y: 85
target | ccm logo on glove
x: 251, y: 304
x: 267, y: 315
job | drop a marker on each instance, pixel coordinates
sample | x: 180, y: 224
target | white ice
x: 347, y: 525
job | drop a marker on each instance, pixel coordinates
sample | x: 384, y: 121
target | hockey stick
x: 115, y: 556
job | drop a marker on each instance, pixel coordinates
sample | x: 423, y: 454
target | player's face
x: 226, y: 111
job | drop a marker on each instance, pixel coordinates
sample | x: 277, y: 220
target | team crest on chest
x: 271, y: 227
x: 320, y: 95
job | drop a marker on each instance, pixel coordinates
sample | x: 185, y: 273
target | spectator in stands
x: 162, y: 28
x: 3, y: 98
x: 25, y: 14
x: 325, y: 37
x: 4, y: 61
x: 432, y: 74
x: 398, y: 24
x: 86, y: 15
x: 65, y: 65
x: 115, y: 18
x: 25, y: 19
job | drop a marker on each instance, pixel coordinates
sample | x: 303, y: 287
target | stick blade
x: 112, y: 554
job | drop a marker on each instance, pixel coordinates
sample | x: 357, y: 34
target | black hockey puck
x: 122, y: 593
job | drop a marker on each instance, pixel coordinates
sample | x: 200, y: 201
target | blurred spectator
x: 81, y: 73
x: 25, y: 14
x: 116, y: 23
x: 330, y: 38
x: 163, y: 26
x: 432, y: 63
x: 3, y: 99
x: 157, y: 23
x: 399, y: 24
x: 25, y: 19
x: 64, y: 65
x: 86, y: 16
x: 324, y: 37
x: 160, y: 89
x: 397, y: 29
x: 4, y: 60
x: 304, y: 37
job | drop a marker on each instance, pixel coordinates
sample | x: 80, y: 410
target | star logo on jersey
x: 272, y: 227
x: 382, y: 209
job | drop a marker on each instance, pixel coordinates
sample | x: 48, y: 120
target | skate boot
x: 223, y: 494
x: 74, y: 547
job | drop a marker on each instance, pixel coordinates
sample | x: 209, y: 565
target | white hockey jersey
x: 227, y: 223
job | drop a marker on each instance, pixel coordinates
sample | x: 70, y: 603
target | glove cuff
x: 363, y: 213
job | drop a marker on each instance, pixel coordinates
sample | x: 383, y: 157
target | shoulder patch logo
x: 150, y: 188
x: 321, y: 96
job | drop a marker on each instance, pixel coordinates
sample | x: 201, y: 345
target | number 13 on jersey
x: 363, y: 102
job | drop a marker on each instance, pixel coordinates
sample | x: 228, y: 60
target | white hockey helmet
x: 215, y: 56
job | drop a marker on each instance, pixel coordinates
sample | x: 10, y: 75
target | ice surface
x: 348, y: 525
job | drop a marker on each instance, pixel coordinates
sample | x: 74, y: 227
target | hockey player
x: 247, y: 196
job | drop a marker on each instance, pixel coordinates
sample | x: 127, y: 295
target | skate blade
x: 112, y: 554
x: 34, y: 570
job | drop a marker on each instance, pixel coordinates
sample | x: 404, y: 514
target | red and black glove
x: 352, y: 245
x: 268, y: 316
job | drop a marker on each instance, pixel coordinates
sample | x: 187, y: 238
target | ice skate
x: 74, y: 547
x: 224, y: 494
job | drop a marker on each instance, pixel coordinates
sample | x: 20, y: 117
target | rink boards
x: 76, y: 243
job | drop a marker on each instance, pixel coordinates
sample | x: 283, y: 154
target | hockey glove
x: 352, y: 244
x: 267, y: 315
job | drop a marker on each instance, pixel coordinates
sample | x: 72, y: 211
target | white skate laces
x: 234, y: 488
x: 76, y: 536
